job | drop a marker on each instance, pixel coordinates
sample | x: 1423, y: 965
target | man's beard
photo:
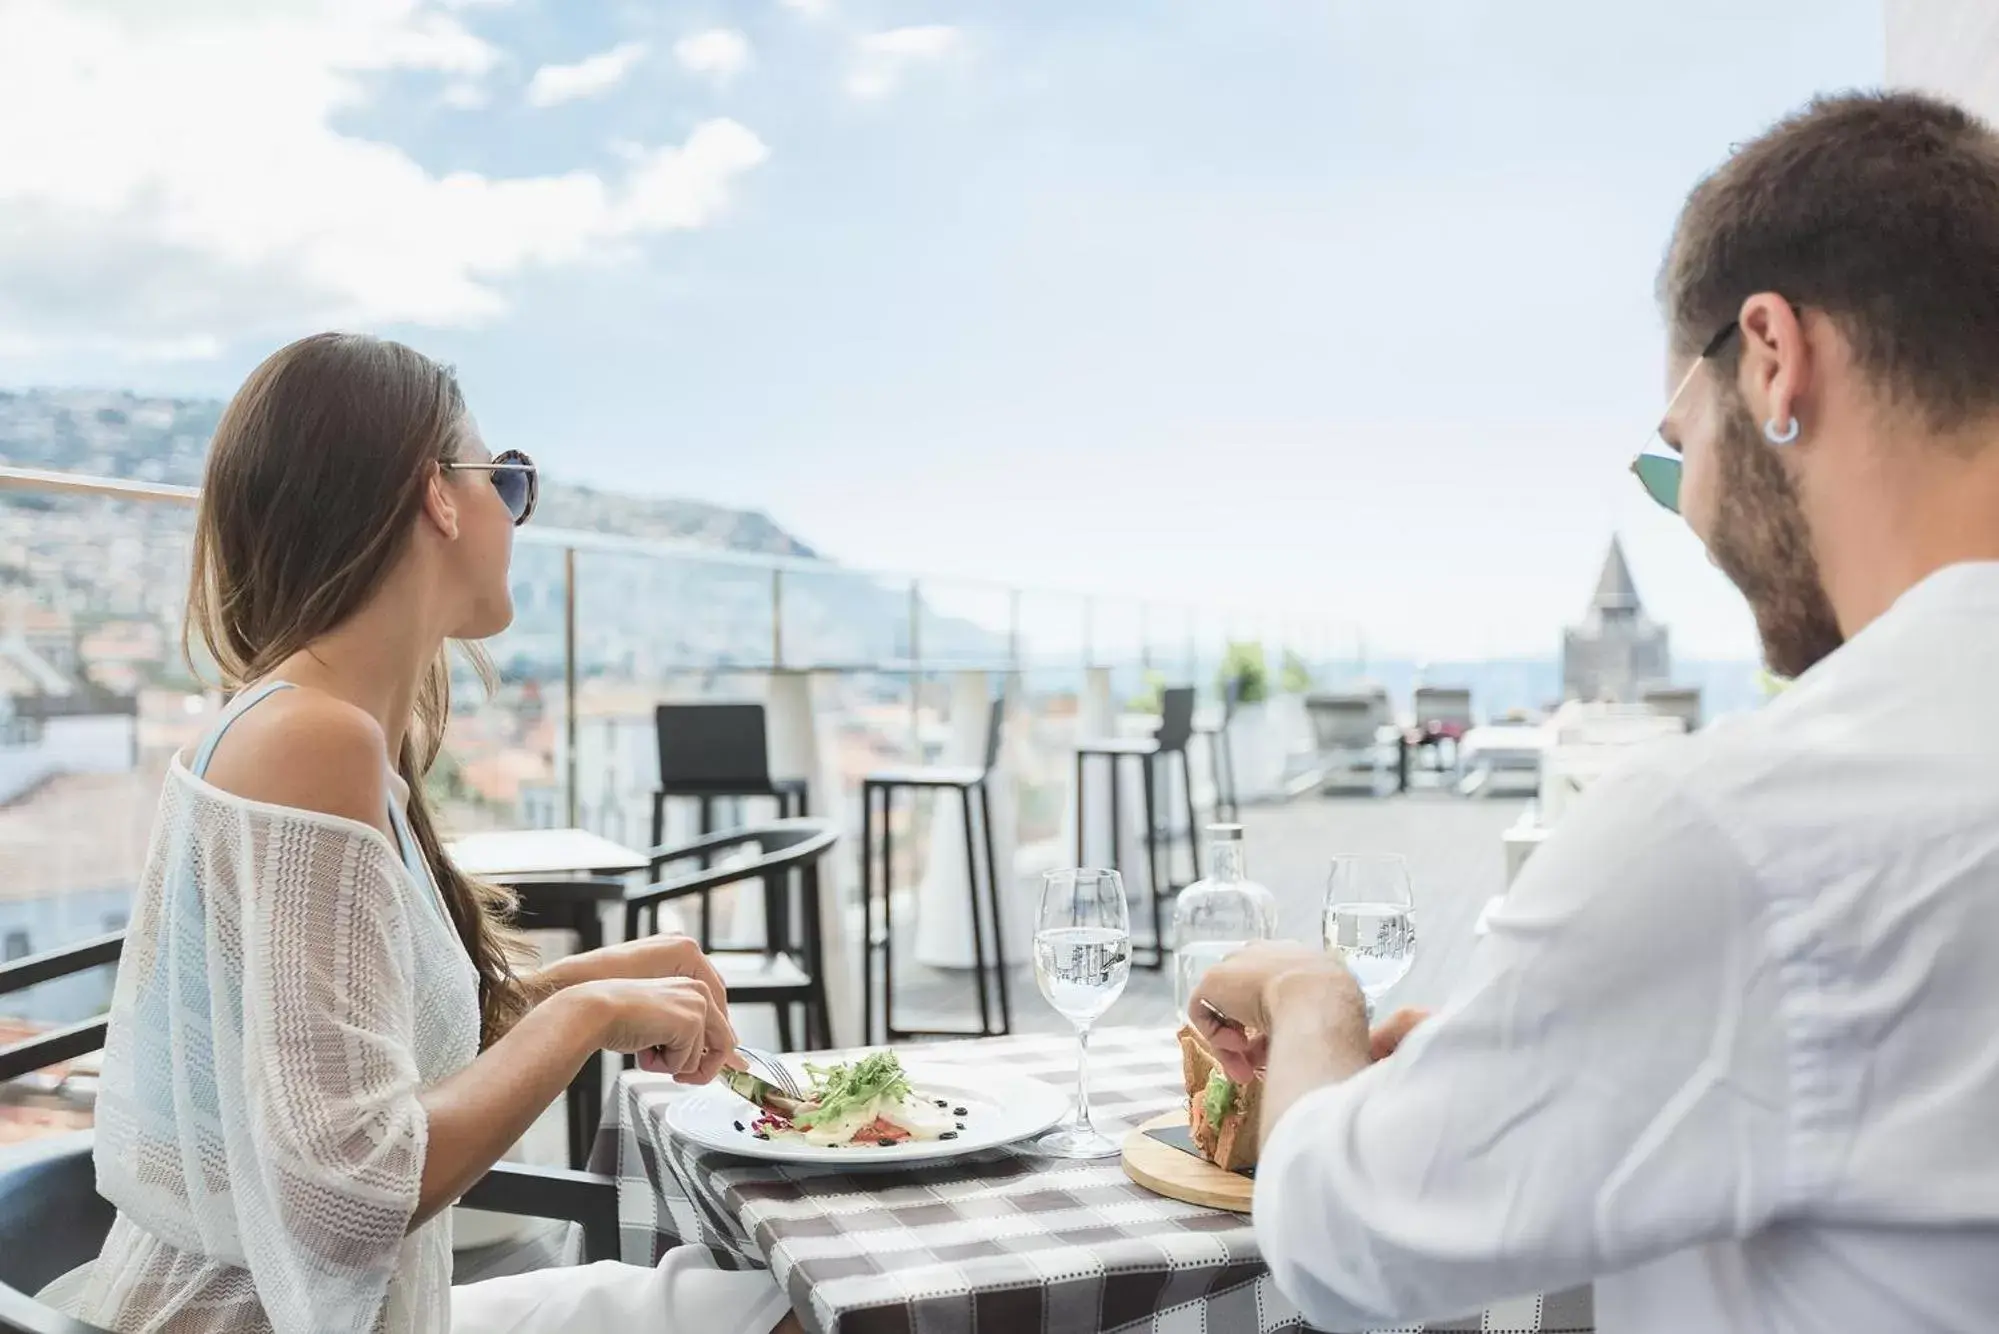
x: 1763, y: 544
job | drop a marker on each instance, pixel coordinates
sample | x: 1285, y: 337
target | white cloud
x: 811, y: 9
x: 591, y: 76
x: 198, y: 190
x: 882, y: 59
x: 465, y: 95
x: 720, y: 53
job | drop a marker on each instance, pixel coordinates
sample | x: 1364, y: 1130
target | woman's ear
x: 440, y: 509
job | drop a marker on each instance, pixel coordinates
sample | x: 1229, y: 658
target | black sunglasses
x: 514, y: 477
x: 1659, y: 474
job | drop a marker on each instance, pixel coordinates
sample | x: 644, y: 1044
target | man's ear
x: 1777, y: 365
x: 440, y: 509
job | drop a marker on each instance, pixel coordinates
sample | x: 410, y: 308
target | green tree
x: 1244, y: 665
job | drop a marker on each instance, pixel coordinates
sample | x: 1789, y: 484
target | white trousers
x: 684, y: 1294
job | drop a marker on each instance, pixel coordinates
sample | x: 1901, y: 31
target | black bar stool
x: 966, y: 782
x: 720, y: 751
x: 1176, y: 729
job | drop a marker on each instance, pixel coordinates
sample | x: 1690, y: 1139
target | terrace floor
x: 1455, y: 861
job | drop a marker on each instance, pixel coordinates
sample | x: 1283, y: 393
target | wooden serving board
x: 1181, y: 1176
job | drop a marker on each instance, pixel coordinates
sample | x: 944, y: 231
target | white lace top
x: 289, y: 983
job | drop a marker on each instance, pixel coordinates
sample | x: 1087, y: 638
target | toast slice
x: 1222, y: 1114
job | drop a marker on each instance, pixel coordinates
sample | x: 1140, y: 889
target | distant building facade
x: 1617, y: 652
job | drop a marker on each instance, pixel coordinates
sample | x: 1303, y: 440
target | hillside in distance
x: 639, y: 614
x: 112, y: 433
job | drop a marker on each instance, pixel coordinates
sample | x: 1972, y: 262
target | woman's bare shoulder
x: 307, y: 750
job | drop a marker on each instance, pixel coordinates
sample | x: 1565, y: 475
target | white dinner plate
x: 999, y: 1109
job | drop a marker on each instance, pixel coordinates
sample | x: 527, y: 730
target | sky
x: 1326, y: 311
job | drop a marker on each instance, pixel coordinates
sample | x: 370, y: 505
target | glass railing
x: 95, y: 698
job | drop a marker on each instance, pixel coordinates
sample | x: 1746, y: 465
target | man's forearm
x: 1318, y: 1036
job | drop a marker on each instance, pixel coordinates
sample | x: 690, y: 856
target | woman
x: 319, y: 1038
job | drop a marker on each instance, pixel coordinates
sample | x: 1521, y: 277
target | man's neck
x: 1917, y: 519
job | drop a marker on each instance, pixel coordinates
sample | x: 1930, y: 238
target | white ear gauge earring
x: 1783, y: 437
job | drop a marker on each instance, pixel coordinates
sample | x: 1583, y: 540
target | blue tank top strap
x: 406, y: 842
x: 238, y: 706
x: 249, y: 699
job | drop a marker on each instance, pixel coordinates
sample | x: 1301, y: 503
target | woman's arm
x: 648, y: 956
x: 477, y: 1114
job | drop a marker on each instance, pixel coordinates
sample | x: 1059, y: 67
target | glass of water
x: 1082, y: 959
x: 1370, y: 921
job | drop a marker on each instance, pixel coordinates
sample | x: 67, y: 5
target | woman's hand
x: 678, y: 1025
x: 648, y: 956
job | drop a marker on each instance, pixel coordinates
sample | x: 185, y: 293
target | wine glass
x: 1082, y: 959
x: 1370, y: 921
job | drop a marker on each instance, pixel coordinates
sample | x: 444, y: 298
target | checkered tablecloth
x: 1005, y: 1240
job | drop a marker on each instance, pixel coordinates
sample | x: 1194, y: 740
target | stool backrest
x: 1176, y: 718
x: 712, y: 743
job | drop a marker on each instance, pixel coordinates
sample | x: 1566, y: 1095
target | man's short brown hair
x: 1880, y: 209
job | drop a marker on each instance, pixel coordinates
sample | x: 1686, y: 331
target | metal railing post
x: 777, y: 616
x: 569, y: 683
x: 916, y: 668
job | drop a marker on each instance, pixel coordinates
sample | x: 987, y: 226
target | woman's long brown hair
x: 314, y: 483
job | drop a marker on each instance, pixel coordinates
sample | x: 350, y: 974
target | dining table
x: 1001, y: 1240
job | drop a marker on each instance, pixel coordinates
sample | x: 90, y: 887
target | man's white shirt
x: 1731, y: 1046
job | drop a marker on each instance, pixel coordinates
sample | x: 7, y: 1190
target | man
x: 1727, y: 1050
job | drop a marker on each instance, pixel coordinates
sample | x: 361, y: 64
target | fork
x: 772, y: 1071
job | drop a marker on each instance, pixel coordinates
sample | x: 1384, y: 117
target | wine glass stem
x: 1083, y: 1077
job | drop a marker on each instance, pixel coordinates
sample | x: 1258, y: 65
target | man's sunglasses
x: 514, y: 477
x: 1659, y: 474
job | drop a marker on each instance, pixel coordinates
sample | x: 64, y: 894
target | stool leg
x: 1150, y: 768
x: 586, y: 1091
x: 1215, y: 744
x: 1228, y: 767
x: 993, y: 902
x: 867, y: 913
x: 658, y: 819
x: 972, y: 900
x: 888, y: 914
x: 707, y: 918
x: 1193, y: 824
x: 784, y: 1038
x: 818, y: 1015
x: 1117, y: 817
x: 1079, y: 807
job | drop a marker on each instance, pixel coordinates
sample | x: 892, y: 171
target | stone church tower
x: 1617, y: 651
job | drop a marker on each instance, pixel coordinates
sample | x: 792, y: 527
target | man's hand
x: 1245, y: 998
x: 1388, y: 1035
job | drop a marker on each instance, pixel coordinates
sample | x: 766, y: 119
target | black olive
x: 949, y: 1134
x: 888, y: 1144
x: 739, y: 1125
x: 959, y: 1111
x: 961, y: 1125
x: 942, y: 1103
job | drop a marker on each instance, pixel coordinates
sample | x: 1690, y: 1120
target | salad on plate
x: 864, y: 1103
